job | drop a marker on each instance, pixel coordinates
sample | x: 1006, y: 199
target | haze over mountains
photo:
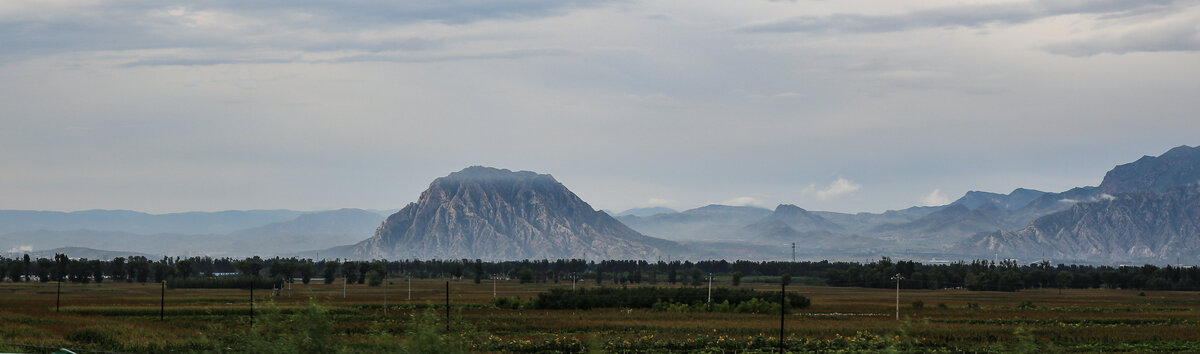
x: 1144, y: 211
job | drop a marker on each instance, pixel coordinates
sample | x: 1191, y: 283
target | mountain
x: 1139, y: 226
x: 798, y: 219
x: 863, y: 222
x: 316, y: 230
x: 711, y: 222
x: 646, y: 211
x: 489, y: 213
x: 1177, y: 167
x: 1017, y: 199
x: 307, y: 231
x: 141, y: 223
x: 945, y: 227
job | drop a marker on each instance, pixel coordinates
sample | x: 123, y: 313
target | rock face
x: 490, y: 213
x: 1177, y: 167
x: 1142, y: 226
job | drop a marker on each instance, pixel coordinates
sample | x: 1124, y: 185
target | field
x: 125, y: 317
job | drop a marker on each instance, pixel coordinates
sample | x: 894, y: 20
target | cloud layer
x: 308, y: 105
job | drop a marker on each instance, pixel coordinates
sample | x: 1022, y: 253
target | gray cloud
x: 975, y: 15
x: 311, y: 26
x: 1171, y: 37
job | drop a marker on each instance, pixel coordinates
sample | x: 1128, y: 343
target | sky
x: 168, y: 106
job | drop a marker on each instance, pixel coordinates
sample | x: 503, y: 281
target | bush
x: 1026, y: 305
x: 972, y: 306
x: 648, y: 297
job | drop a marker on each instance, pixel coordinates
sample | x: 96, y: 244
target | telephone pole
x: 793, y: 252
x: 710, y: 288
x: 897, y: 278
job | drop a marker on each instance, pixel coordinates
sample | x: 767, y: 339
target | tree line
x: 202, y: 272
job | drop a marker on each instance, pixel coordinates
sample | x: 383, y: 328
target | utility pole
x: 793, y: 252
x: 410, y: 288
x: 493, y: 287
x: 710, y: 288
x: 162, y: 304
x: 782, y: 304
x: 572, y: 281
x: 58, y: 297
x: 343, y: 288
x: 897, y: 278
x: 385, y: 295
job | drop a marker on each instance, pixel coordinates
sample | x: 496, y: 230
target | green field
x: 124, y: 317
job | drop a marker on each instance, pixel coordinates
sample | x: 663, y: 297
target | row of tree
x: 976, y: 275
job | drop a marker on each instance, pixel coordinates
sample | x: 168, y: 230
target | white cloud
x: 657, y: 202
x: 837, y: 188
x: 743, y: 201
x: 935, y: 198
x: 20, y: 249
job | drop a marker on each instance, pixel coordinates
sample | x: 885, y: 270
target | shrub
x: 648, y: 297
x: 1026, y: 305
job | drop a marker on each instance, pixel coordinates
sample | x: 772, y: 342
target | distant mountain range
x: 489, y: 213
x: 1144, y: 211
x: 231, y: 233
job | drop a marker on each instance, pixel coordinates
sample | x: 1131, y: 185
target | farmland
x: 125, y: 317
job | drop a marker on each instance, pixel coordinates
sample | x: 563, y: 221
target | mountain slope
x: 1144, y: 226
x: 490, y: 213
x: 141, y: 223
x: 944, y: 227
x: 712, y: 222
x: 1017, y: 199
x: 1177, y: 167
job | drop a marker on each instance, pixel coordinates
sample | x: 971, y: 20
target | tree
x: 363, y: 268
x: 376, y: 275
x: 456, y: 271
x: 329, y: 272
x: 118, y: 268
x: 478, y: 271
x: 697, y: 276
x: 599, y: 275
x: 786, y: 279
x: 525, y: 275
x: 249, y: 267
x: 350, y: 272
x: 97, y: 269
x: 306, y: 272
x: 737, y: 278
x: 1063, y: 279
x: 183, y: 268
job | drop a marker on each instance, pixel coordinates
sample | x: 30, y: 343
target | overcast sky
x: 165, y: 106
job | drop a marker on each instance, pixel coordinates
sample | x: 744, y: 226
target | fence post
x: 162, y: 302
x: 58, y: 297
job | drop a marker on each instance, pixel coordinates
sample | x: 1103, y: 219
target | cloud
x: 1174, y: 36
x: 973, y: 15
x: 21, y: 249
x: 742, y: 201
x: 837, y: 188
x: 935, y: 198
x: 241, y: 26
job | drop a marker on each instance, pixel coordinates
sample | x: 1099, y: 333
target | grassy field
x: 125, y: 318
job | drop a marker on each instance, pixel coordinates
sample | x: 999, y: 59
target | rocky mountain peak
x: 490, y: 213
